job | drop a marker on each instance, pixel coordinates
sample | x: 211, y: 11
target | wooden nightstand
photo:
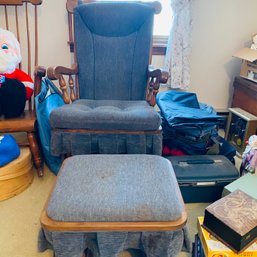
x: 245, y: 95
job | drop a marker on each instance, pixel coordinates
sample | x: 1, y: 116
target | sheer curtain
x: 177, y: 59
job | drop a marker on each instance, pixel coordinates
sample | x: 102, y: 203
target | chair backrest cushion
x: 113, y: 42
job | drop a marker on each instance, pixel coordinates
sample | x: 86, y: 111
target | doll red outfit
x: 15, y: 86
x: 24, y: 78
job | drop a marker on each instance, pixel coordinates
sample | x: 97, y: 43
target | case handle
x: 187, y: 162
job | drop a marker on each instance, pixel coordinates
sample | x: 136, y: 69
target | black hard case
x: 202, y: 178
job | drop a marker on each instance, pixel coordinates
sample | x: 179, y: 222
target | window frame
x: 159, y: 45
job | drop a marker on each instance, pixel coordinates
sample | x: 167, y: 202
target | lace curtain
x: 177, y: 60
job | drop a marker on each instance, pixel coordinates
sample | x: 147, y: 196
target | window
x: 162, y: 26
x: 162, y: 22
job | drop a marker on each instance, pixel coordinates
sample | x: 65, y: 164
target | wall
x: 53, y: 27
x: 220, y: 28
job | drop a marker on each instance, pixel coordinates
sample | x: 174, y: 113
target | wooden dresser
x: 245, y: 95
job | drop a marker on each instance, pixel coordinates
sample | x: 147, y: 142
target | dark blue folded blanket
x: 182, y: 112
x: 183, y: 107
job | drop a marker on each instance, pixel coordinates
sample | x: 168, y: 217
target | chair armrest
x: 156, y: 76
x: 58, y: 72
x: 39, y: 73
x: 164, y: 77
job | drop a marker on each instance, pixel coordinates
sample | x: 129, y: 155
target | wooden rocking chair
x: 13, y: 14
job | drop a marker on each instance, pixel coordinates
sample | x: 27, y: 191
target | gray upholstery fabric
x: 85, y: 143
x: 106, y: 115
x: 113, y: 42
x: 116, y: 188
x: 152, y: 244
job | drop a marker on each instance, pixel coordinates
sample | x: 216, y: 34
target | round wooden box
x: 16, y: 176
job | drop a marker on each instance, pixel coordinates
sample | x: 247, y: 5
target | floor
x: 19, y: 219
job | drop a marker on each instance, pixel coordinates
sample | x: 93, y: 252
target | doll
x: 15, y: 85
x: 249, y: 160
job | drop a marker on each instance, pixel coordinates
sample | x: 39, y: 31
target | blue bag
x: 47, y: 100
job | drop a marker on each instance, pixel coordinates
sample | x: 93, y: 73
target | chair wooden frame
x: 26, y: 122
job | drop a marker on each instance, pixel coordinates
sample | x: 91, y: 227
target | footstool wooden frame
x: 54, y: 225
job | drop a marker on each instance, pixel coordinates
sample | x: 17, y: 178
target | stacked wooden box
x: 16, y: 176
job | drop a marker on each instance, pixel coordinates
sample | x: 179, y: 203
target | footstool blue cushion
x: 96, y: 188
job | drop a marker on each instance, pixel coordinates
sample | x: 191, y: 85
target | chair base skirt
x: 103, y: 142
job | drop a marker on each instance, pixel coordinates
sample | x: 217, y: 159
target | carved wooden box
x: 233, y: 220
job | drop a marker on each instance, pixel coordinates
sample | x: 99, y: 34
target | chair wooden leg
x: 36, y: 154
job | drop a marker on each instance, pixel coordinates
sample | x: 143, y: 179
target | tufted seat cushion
x: 106, y: 115
x: 116, y: 188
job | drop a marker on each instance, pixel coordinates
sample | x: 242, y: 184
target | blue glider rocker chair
x: 112, y: 98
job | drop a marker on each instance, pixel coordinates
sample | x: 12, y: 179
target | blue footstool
x: 110, y: 203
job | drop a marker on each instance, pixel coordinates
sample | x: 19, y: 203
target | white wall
x: 220, y: 28
x: 53, y: 37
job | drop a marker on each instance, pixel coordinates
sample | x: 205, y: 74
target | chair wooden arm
x: 39, y: 73
x: 19, y: 2
x: 58, y: 72
x: 164, y: 77
x: 156, y: 76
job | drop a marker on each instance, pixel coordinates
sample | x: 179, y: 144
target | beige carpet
x: 19, y: 220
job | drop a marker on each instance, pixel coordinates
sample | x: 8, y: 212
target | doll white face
x: 10, y: 55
